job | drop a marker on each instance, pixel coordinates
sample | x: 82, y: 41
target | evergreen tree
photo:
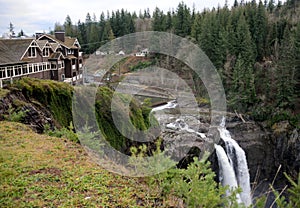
x: 241, y: 41
x: 260, y: 29
x: 11, y: 29
x: 69, y: 31
x: 182, y: 20
x: 94, y: 37
x: 196, y: 27
x: 235, y: 4
x: 297, y: 60
x: 242, y: 94
x: 169, y: 24
x: 101, y: 25
x: 271, y: 6
x: 82, y: 36
x: 21, y: 33
x: 108, y: 34
x: 130, y: 19
x: 159, y: 20
x: 286, y: 71
x: 88, y: 18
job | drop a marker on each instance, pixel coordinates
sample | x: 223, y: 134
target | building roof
x: 54, y: 46
x: 12, y: 50
x: 56, y: 56
x: 71, y: 57
x: 69, y: 42
x: 41, y: 43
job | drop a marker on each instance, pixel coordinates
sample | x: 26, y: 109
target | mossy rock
x: 56, y: 96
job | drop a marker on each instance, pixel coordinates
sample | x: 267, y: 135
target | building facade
x: 54, y: 57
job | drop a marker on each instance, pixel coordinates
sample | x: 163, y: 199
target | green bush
x: 14, y: 115
x: 64, y: 132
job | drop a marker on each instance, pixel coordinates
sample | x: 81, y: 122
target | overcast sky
x: 39, y: 16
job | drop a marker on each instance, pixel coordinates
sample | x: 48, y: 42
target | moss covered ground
x: 41, y: 171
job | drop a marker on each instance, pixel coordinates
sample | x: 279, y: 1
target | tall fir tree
x: 182, y: 20
x: 286, y: 71
x: 68, y: 25
x: 260, y: 29
x: 159, y: 20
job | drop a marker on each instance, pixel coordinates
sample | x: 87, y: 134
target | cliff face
x: 268, y: 149
x: 35, y: 115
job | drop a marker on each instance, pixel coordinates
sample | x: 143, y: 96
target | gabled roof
x: 54, y: 46
x: 12, y: 50
x: 68, y: 43
x: 56, y: 56
x: 41, y: 43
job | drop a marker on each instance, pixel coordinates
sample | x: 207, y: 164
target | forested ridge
x: 255, y: 47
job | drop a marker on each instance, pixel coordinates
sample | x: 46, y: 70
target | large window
x: 2, y: 72
x: 70, y: 51
x: 53, y: 66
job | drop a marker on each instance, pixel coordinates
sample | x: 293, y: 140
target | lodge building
x: 55, y: 57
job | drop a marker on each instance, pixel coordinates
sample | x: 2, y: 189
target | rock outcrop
x: 35, y: 115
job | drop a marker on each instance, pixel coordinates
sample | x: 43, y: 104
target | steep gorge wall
x: 268, y: 149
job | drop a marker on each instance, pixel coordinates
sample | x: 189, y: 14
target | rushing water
x: 233, y: 166
x: 232, y: 162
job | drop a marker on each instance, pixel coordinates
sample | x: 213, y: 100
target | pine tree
x: 271, y: 6
x: 260, y: 29
x: 158, y: 23
x: 169, y: 24
x: 69, y: 31
x: 11, y: 29
x: 108, y: 34
x: 182, y: 20
x: 21, y: 33
x: 297, y: 61
x: 101, y: 25
x: 286, y: 71
x: 196, y: 27
x: 82, y: 36
x: 243, y: 44
x: 235, y: 4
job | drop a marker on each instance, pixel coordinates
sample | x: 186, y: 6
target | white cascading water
x: 226, y: 172
x: 233, y: 165
x: 170, y: 104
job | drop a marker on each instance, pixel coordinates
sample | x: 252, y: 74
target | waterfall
x: 233, y: 165
x: 226, y: 172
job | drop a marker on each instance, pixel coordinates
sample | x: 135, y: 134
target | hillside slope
x: 41, y: 171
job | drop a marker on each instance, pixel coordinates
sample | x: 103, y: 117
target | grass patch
x: 3, y: 92
x: 43, y: 171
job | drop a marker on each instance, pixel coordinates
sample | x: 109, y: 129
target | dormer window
x: 46, y: 52
x: 32, y: 52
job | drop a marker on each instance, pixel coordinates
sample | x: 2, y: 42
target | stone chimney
x: 60, y: 35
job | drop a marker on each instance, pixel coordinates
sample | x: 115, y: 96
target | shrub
x: 63, y: 133
x: 14, y: 115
